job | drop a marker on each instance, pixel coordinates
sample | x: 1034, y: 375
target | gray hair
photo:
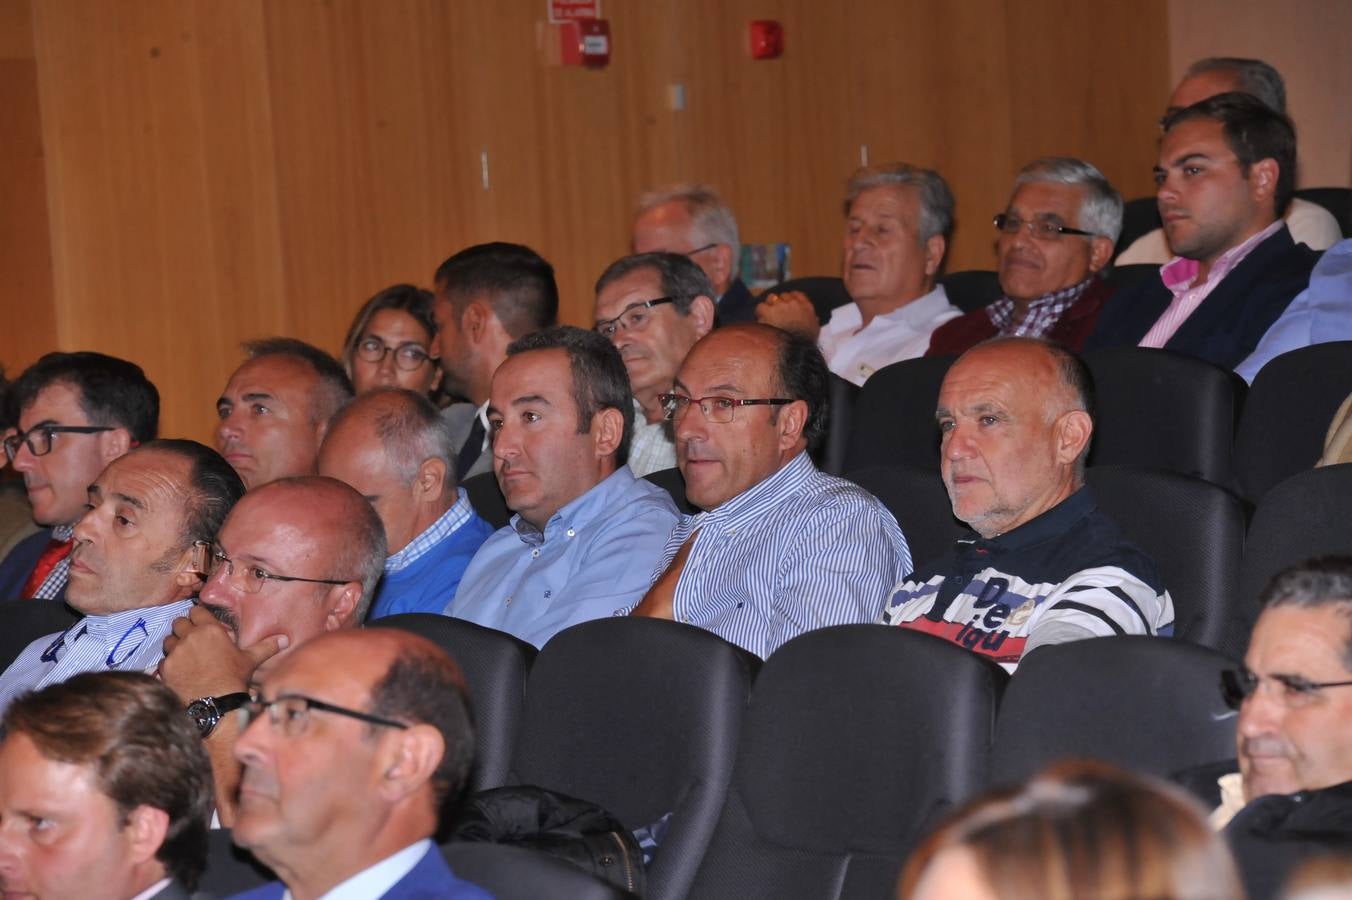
x: 1322, y: 582
x: 1252, y: 76
x: 936, y: 200
x: 1101, y: 211
x: 677, y: 275
x: 409, y: 428
x: 710, y: 217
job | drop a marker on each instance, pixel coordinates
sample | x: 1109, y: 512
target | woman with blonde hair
x: 1079, y: 831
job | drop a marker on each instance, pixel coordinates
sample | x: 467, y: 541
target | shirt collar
x: 1001, y: 312
x: 63, y: 532
x: 577, y: 513
x: 445, y: 525
x: 751, y: 503
x: 1179, y: 273
x: 1052, y: 523
x: 918, y: 311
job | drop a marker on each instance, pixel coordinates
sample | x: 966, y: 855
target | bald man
x: 1048, y: 567
x: 393, y: 447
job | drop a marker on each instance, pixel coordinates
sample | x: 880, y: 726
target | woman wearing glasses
x: 389, y: 342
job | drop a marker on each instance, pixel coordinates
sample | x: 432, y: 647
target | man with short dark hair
x: 653, y: 307
x: 104, y: 792
x: 897, y: 221
x: 276, y: 408
x: 1016, y: 416
x: 691, y: 220
x: 781, y: 547
x: 77, y: 412
x: 487, y: 296
x: 354, y: 745
x: 393, y: 448
x: 586, y: 531
x: 138, y: 561
x: 295, y: 558
x: 1227, y: 169
x: 1310, y: 223
x: 1055, y: 237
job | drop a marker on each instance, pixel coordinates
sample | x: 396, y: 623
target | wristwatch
x: 206, y: 712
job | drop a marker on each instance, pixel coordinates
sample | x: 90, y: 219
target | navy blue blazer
x: 1233, y: 318
x: 18, y: 565
x: 737, y: 305
x: 430, y: 879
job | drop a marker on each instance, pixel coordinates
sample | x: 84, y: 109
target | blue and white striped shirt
x: 449, y: 522
x: 799, y: 551
x: 127, y: 641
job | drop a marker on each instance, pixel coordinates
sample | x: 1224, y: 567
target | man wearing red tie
x: 77, y: 413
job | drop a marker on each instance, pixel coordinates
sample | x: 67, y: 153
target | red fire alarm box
x: 767, y: 39
x: 586, y: 42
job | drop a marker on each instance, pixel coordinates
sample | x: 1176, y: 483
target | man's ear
x: 702, y: 311
x: 146, y: 827
x: 1263, y: 179
x: 607, y: 430
x: 341, y: 606
x: 410, y: 759
x: 474, y: 320
x: 934, y: 254
x: 792, y: 421
x: 1100, y: 251
x: 192, y: 570
x: 430, y: 481
x: 115, y: 443
x: 1073, y: 430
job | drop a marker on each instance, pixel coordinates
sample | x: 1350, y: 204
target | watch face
x: 203, y: 716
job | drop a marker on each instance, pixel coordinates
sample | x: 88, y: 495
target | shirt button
x: 685, y: 619
x: 509, y: 601
x: 570, y: 532
x: 535, y: 554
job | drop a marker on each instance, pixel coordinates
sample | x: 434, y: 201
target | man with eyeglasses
x: 692, y: 220
x: 1226, y: 173
x: 136, y: 565
x: 585, y: 531
x: 653, y: 307
x: 1055, y: 237
x: 353, y: 746
x: 295, y: 558
x: 780, y: 548
x: 77, y: 412
x: 1292, y: 796
x: 275, y: 410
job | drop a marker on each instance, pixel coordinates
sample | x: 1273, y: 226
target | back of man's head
x: 1250, y: 76
x: 129, y: 731
x: 112, y: 391
x: 334, y: 388
x: 513, y: 279
x: 711, y: 220
x: 1254, y: 132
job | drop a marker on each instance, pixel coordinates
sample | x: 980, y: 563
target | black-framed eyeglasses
x: 406, y: 356
x: 634, y: 317
x: 700, y: 250
x: 290, y: 713
x: 250, y: 579
x: 718, y: 410
x: 1042, y: 229
x: 39, y: 438
x: 1238, y: 685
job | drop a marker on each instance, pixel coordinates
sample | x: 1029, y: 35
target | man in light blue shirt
x: 1321, y: 313
x: 139, y: 558
x: 586, y: 532
x: 782, y: 548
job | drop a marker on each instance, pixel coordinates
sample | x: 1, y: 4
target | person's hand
x: 791, y: 311
x: 201, y: 659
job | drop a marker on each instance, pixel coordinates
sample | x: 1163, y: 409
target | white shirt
x: 855, y: 353
x: 375, y: 881
x: 651, y: 447
x: 152, y: 890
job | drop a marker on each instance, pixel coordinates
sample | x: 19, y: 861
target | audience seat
x: 1120, y: 278
x: 1194, y: 531
x: 1303, y: 517
x: 673, y: 482
x: 495, y: 665
x: 24, y: 621
x: 1337, y: 200
x: 513, y: 873
x: 894, y: 416
x: 1163, y: 410
x: 230, y: 869
x: 1287, y: 414
x: 919, y: 502
x: 1148, y: 704
x: 858, y: 737
x: 640, y: 716
x: 972, y: 289
x: 486, y: 498
x: 1139, y: 217
x: 831, y: 450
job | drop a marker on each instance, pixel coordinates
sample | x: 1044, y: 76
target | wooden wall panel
x: 223, y: 171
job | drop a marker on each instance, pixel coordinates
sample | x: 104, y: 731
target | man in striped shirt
x: 781, y: 548
x: 1016, y: 417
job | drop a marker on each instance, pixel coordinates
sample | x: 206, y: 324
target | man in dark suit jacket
x: 691, y: 219
x: 1226, y: 174
x: 113, y: 788
x: 354, y: 744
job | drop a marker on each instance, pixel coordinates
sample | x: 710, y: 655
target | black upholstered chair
x: 1139, y: 217
x: 230, y: 869
x: 671, y: 481
x: 514, y: 873
x: 1194, y: 531
x: 640, y: 716
x: 831, y: 451
x: 495, y: 665
x: 894, y: 416
x: 858, y: 737
x: 919, y: 502
x: 24, y: 621
x: 1337, y: 200
x: 486, y: 498
x: 1287, y: 414
x: 1163, y: 410
x: 971, y: 289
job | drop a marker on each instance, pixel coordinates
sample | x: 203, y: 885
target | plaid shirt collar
x: 438, y: 531
x: 1041, y: 315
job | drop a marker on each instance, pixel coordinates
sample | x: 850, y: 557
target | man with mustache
x: 1056, y: 235
x: 139, y: 558
x: 296, y: 558
x: 653, y: 307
